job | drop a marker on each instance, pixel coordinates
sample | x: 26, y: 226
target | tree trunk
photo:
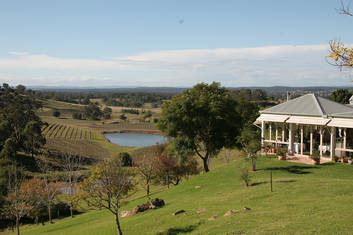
x: 253, y: 164
x: 205, y: 164
x: 109, y: 201
x: 18, y: 226
x: 49, y: 212
x: 72, y: 215
x: 118, y: 224
x: 148, y: 189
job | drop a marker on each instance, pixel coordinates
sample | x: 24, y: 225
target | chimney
x: 288, y: 95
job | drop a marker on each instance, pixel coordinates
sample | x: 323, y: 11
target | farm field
x: 306, y: 200
x: 86, y: 136
x: 81, y: 141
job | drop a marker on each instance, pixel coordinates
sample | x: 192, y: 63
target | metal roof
x: 311, y: 105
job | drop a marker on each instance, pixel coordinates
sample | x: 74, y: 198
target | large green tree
x: 341, y: 96
x: 20, y: 127
x: 203, y: 119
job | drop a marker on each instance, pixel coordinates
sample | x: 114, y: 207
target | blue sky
x: 171, y: 43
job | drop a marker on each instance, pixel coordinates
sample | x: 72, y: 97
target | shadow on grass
x: 258, y: 183
x: 286, y: 181
x: 178, y: 230
x: 328, y: 164
x: 293, y: 169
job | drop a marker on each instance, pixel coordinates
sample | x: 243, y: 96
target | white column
x: 270, y: 131
x: 311, y: 140
x: 291, y: 139
x: 301, y: 139
x: 321, y: 141
x: 276, y: 135
x: 345, y: 138
x: 262, y: 134
x: 283, y: 132
x: 333, y: 142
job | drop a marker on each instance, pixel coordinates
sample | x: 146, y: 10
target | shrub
x: 245, y: 176
x: 56, y: 113
x: 77, y: 116
x: 282, y: 151
x: 315, y: 155
x: 126, y: 159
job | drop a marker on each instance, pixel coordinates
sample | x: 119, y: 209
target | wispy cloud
x: 17, y: 52
x: 271, y: 65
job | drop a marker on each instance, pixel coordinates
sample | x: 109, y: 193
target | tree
x: 93, y: 112
x: 106, y: 187
x: 125, y: 159
x: 34, y: 139
x: 202, y: 119
x: 250, y: 143
x: 77, y: 116
x: 51, y: 187
x: 20, y: 127
x: 71, y: 164
x: 123, y: 117
x: 22, y: 197
x: 341, y: 96
x: 56, y: 113
x: 146, y: 166
x: 340, y: 54
x: 173, y: 165
x: 107, y: 112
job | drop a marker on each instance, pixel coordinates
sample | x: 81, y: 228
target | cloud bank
x: 262, y: 66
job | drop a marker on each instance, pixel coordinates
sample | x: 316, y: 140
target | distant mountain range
x: 274, y: 90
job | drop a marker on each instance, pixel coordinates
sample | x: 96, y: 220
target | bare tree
x: 106, y: 187
x: 146, y: 167
x: 345, y: 9
x: 341, y: 55
x: 51, y: 187
x: 23, y: 196
x: 71, y: 164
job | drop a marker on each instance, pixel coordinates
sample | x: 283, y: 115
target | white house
x: 307, y: 123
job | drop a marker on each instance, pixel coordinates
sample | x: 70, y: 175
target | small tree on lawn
x: 146, y: 167
x: 23, y: 196
x: 245, y: 176
x: 51, y: 188
x: 249, y: 141
x: 106, y: 187
x: 71, y: 165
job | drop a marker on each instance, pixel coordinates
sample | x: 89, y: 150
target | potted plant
x: 315, y: 156
x: 282, y: 153
x: 335, y: 158
x: 343, y: 159
x: 350, y: 160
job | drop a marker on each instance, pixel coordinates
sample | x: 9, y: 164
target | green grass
x: 306, y: 200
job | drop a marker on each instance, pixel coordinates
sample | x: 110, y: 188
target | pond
x: 135, y: 139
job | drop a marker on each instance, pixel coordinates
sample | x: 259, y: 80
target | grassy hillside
x: 306, y: 200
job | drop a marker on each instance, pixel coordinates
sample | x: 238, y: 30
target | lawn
x: 306, y: 200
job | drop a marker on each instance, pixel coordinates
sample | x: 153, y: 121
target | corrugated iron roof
x: 311, y: 105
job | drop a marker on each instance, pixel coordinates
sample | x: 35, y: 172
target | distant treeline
x: 128, y: 99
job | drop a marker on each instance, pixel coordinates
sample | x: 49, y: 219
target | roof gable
x: 311, y: 105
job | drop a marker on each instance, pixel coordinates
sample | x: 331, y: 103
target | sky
x: 175, y: 43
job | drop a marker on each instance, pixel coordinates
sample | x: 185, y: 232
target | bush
x: 125, y: 158
x: 282, y: 151
x: 77, y: 116
x: 315, y: 155
x: 56, y: 113
x: 245, y: 176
